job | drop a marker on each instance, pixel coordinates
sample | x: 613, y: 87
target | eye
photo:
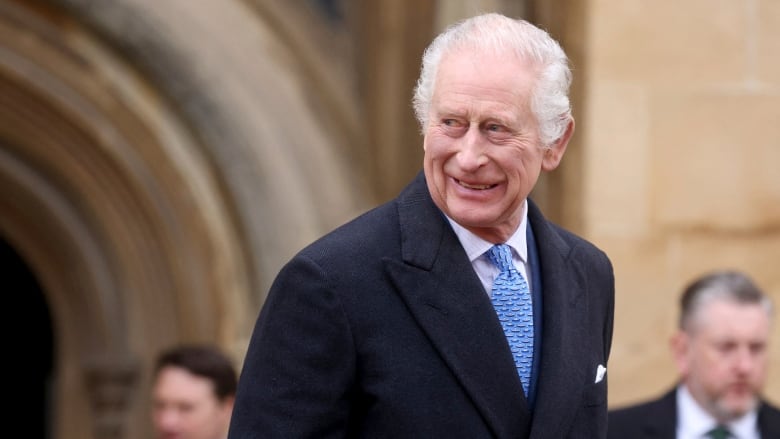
x: 725, y: 347
x: 497, y: 132
x: 757, y: 348
x: 453, y: 127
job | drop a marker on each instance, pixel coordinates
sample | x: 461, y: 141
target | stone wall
x: 681, y: 164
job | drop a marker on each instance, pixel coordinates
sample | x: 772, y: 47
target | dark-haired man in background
x: 193, y: 392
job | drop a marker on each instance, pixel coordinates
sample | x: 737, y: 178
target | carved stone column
x: 110, y: 381
x: 390, y: 36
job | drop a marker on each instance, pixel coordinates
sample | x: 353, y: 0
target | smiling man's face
x: 483, y: 154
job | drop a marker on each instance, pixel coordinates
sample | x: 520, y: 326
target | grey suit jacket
x: 657, y: 419
x: 382, y: 329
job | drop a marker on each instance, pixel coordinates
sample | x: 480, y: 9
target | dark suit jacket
x: 657, y: 419
x: 383, y: 329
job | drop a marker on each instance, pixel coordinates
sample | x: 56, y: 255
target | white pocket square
x: 600, y: 371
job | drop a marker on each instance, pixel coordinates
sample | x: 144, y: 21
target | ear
x: 554, y: 153
x: 680, y: 345
x: 226, y: 408
x: 228, y: 402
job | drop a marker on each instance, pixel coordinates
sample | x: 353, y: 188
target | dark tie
x: 512, y: 301
x: 719, y: 432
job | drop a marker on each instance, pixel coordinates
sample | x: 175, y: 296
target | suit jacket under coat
x: 382, y: 329
x: 657, y: 419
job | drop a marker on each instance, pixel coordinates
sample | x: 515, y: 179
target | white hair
x: 500, y: 34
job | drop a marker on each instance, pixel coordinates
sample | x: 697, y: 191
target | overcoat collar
x: 443, y: 293
x: 665, y: 409
x: 562, y: 375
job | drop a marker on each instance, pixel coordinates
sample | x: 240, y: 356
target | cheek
x: 712, y: 364
x: 536, y: 159
x: 699, y: 361
x: 761, y: 365
x: 437, y: 153
x: 526, y: 168
x: 433, y: 145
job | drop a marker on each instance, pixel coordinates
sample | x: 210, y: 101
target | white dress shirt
x: 693, y: 422
x: 476, y: 247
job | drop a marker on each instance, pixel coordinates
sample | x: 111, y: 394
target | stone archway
x: 121, y: 228
x: 152, y: 200
x: 160, y: 161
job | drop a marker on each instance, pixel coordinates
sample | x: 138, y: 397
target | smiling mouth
x: 477, y: 187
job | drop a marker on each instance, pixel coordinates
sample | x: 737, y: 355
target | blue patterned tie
x: 512, y: 301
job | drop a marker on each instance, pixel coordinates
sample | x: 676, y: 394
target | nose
x: 472, y: 151
x: 746, y: 360
x: 167, y: 419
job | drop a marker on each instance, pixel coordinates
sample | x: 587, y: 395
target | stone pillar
x: 390, y: 36
x: 110, y: 381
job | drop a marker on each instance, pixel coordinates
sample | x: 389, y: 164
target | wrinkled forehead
x: 480, y: 54
x: 490, y: 69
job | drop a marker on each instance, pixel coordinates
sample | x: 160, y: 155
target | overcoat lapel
x: 443, y: 293
x: 561, y: 374
x: 768, y: 421
x: 658, y: 420
x: 666, y: 409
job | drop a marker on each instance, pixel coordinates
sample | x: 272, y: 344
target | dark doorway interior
x: 29, y: 357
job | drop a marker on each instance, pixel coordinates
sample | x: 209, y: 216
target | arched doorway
x: 30, y: 358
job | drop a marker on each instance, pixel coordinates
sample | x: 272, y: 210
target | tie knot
x: 501, y: 256
x: 719, y: 432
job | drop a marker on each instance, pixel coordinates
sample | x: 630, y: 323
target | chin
x: 733, y: 407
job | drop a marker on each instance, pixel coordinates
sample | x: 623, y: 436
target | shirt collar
x: 694, y: 421
x: 476, y: 246
x: 745, y: 426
